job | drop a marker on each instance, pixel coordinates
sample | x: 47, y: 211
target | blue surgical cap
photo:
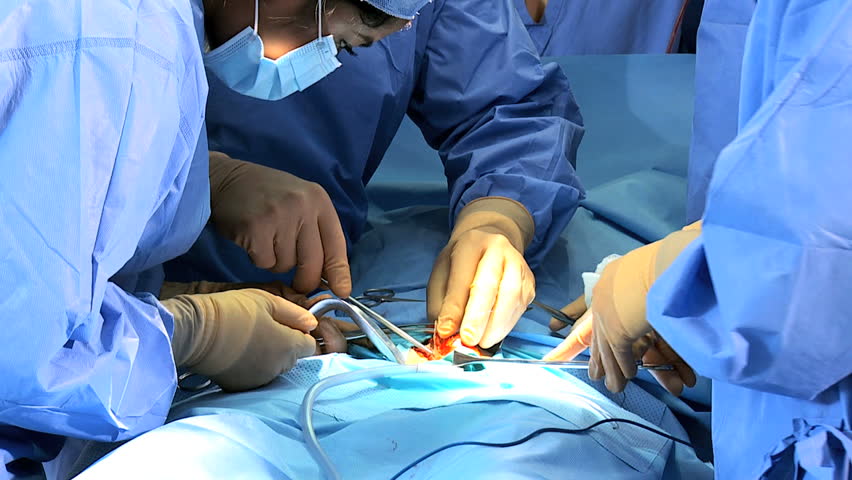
x: 406, y: 9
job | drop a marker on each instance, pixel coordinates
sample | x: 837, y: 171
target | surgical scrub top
x: 467, y: 75
x: 760, y: 302
x: 603, y: 27
x: 104, y: 178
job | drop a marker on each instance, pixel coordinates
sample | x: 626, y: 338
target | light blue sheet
x: 372, y: 429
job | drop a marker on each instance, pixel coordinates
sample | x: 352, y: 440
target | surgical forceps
x: 373, y: 297
x: 384, y: 321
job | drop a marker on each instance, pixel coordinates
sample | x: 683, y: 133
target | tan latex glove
x: 480, y: 283
x: 282, y: 222
x: 241, y: 339
x: 173, y: 289
x: 330, y: 330
x: 616, y: 328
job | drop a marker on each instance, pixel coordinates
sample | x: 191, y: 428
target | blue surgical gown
x: 104, y: 177
x: 761, y: 301
x: 469, y: 77
x: 721, y: 41
x: 603, y: 27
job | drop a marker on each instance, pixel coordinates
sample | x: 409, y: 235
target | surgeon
x: 506, y: 128
x: 592, y: 27
x: 105, y: 176
x: 755, y: 295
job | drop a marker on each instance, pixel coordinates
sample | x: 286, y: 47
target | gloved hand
x: 173, y: 289
x: 330, y: 330
x: 480, y: 283
x: 241, y: 339
x: 617, y: 329
x: 282, y: 222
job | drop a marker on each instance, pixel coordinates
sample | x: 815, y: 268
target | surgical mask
x: 240, y: 63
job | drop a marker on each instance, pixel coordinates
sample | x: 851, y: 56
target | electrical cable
x: 306, y: 413
x: 535, y: 434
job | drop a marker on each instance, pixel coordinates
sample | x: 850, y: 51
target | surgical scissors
x: 373, y: 297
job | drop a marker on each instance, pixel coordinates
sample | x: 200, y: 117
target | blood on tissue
x: 441, y: 347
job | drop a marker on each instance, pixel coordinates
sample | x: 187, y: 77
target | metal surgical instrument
x: 418, y: 329
x: 556, y: 313
x: 461, y: 359
x: 385, y: 322
x: 373, y: 297
x: 376, y: 335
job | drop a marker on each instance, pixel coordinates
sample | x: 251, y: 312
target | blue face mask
x: 240, y: 64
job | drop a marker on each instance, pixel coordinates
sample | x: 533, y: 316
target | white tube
x: 306, y: 413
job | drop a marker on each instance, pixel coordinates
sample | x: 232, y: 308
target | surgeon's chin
x: 277, y: 48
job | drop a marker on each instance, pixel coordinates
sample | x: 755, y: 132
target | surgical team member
x: 756, y: 294
x: 595, y: 27
x: 105, y: 176
x: 506, y: 128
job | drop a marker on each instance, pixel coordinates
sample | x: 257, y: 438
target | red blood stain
x: 441, y: 347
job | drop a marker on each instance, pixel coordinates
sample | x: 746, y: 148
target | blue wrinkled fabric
x: 104, y: 178
x: 721, y: 40
x: 592, y: 27
x: 760, y: 302
x: 818, y: 452
x: 372, y: 429
x: 468, y: 76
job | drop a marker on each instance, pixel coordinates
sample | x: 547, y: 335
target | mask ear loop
x: 319, y: 19
x: 255, y: 15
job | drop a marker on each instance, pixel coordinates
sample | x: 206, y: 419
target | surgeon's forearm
x: 504, y: 214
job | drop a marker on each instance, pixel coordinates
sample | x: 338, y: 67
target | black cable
x: 537, y: 433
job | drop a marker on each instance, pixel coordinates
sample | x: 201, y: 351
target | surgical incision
x: 441, y: 347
